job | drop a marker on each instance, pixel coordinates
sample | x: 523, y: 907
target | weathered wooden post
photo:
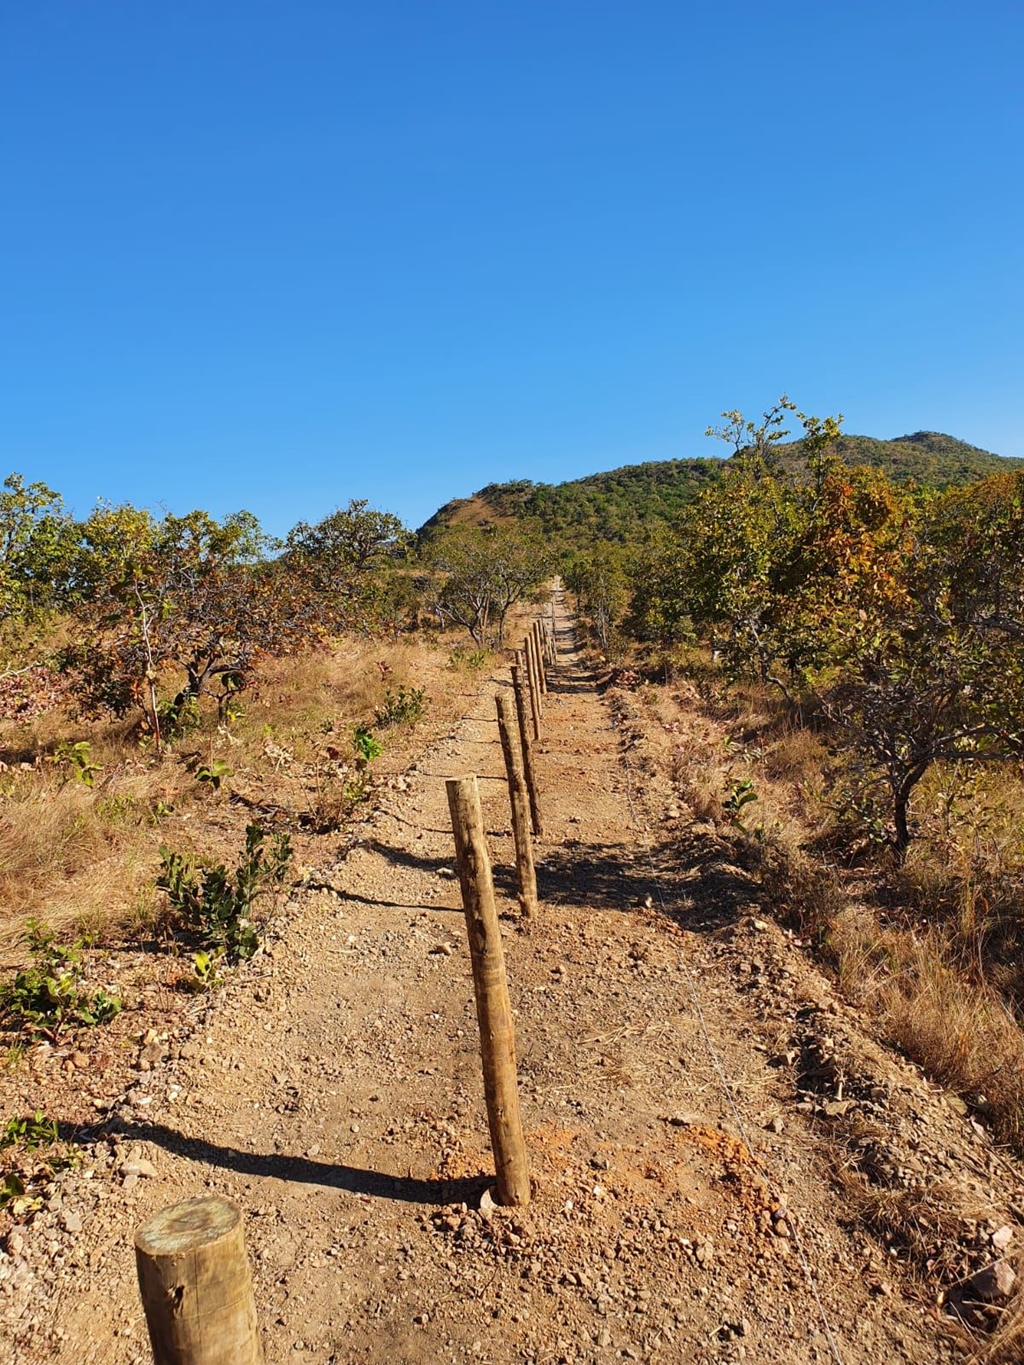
x: 534, y: 681
x: 526, y: 743
x: 520, y: 802
x: 195, y: 1285
x: 538, y: 648
x: 493, y: 1008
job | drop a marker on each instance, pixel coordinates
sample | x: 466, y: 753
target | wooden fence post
x: 493, y: 1008
x: 538, y: 648
x: 526, y: 744
x: 195, y: 1285
x: 534, y: 681
x: 519, y: 799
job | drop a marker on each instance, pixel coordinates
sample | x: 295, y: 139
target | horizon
x: 160, y: 506
x: 282, y: 259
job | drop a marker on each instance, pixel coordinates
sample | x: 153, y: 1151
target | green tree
x: 183, y: 593
x: 936, y: 674
x: 478, y: 575
x: 598, y: 581
x: 347, y: 559
x: 36, y: 548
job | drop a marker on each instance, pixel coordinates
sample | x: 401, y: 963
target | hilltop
x: 925, y: 457
x: 616, y: 504
x: 613, y: 504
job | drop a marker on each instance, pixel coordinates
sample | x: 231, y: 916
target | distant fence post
x: 195, y: 1285
x: 519, y: 800
x: 529, y: 650
x: 526, y: 743
x: 545, y: 636
x: 493, y: 1008
x: 538, y: 646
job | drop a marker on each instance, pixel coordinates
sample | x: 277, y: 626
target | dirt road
x: 333, y: 1089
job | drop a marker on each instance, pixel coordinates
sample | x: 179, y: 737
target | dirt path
x: 334, y: 1090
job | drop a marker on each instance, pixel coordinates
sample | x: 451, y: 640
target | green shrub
x: 48, y: 995
x: 217, y: 905
x: 367, y: 748
x: 401, y: 707
x: 76, y: 760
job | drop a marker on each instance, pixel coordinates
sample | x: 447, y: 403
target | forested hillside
x: 925, y: 457
x: 619, y: 504
x: 613, y: 505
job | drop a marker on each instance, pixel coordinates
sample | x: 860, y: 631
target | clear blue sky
x: 277, y: 255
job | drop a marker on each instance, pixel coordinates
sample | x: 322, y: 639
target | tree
x: 937, y: 673
x: 753, y: 442
x: 184, y: 593
x: 478, y: 575
x: 598, y: 581
x: 346, y: 558
x: 36, y: 541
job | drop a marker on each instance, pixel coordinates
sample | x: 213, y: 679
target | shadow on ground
x: 302, y: 1170
x: 690, y: 878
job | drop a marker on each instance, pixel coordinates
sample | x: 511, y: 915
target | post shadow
x: 299, y: 1170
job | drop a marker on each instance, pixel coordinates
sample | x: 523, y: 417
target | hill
x: 926, y: 457
x: 618, y: 504
x: 613, y: 505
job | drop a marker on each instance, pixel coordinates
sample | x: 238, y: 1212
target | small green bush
x: 401, y: 707
x: 367, y: 748
x: 76, y: 760
x: 32, y: 1131
x: 217, y: 905
x: 48, y: 995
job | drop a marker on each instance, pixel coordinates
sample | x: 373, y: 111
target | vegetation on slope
x: 929, y: 458
x: 623, y: 505
x: 863, y: 640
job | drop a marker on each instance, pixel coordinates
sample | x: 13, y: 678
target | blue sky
x: 276, y: 256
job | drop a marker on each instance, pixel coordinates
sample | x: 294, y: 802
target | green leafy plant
x: 158, y: 810
x: 32, y: 1131
x: 206, y: 976
x: 76, y: 761
x: 403, y: 706
x: 214, y: 773
x: 179, y: 717
x: 367, y: 748
x: 217, y: 904
x: 33, y: 1154
x: 49, y: 995
x: 742, y: 794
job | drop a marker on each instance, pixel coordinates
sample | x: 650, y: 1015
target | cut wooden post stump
x: 196, y: 1287
x: 493, y: 1008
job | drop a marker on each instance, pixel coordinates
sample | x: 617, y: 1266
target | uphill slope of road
x: 683, y: 1210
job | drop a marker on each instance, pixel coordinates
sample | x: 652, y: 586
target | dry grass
x: 83, y: 859
x: 932, y: 952
x: 935, y: 950
x: 959, y: 1031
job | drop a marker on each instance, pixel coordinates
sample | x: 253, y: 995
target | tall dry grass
x: 84, y: 858
x: 933, y: 950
